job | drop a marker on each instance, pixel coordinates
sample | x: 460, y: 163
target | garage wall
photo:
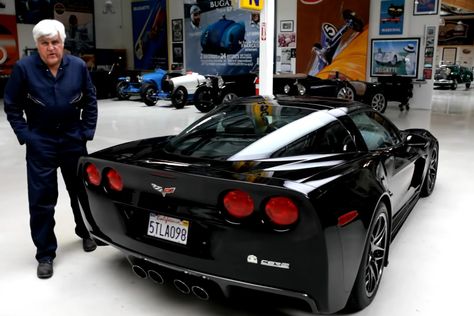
x: 413, y: 26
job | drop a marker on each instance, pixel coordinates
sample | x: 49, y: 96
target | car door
x: 397, y: 161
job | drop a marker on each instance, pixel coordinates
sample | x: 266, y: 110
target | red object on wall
x: 257, y: 86
x: 9, y: 54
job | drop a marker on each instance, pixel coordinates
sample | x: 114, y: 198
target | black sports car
x: 295, y: 198
x: 369, y: 93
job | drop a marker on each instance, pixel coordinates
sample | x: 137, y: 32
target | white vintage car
x: 181, y: 89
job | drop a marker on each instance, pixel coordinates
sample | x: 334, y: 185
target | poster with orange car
x: 335, y: 39
x: 8, y: 44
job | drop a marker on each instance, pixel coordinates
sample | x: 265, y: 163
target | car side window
x: 377, y: 132
x: 332, y: 138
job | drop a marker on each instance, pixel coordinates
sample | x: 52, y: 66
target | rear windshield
x: 261, y: 130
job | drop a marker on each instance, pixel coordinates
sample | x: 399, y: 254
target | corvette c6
x: 297, y: 198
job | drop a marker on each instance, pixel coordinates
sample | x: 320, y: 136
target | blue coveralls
x: 61, y: 115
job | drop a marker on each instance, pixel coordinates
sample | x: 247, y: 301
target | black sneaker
x: 88, y: 244
x: 45, y: 270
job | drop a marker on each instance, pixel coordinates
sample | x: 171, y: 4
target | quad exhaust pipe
x: 196, y: 290
x: 143, y: 270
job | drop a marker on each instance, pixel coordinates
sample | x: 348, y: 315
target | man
x: 55, y: 93
x: 195, y: 13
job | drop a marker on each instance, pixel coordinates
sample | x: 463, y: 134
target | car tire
x: 346, y: 92
x: 454, y: 86
x: 228, y: 97
x: 203, y: 99
x: 430, y: 179
x: 373, y: 261
x: 179, y: 98
x: 468, y: 85
x: 147, y: 93
x: 378, y: 102
x: 121, y: 86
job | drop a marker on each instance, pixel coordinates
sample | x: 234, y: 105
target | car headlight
x: 140, y: 78
x: 127, y: 79
x: 220, y: 82
x: 301, y: 89
x: 286, y: 89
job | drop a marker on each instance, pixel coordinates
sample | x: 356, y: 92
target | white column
x: 267, y: 43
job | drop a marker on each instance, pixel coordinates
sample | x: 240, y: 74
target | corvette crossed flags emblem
x: 162, y: 190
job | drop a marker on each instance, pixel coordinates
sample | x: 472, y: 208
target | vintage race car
x: 452, y: 75
x: 301, y: 84
x: 178, y: 89
x: 223, y: 88
x: 143, y: 85
x: 294, y: 198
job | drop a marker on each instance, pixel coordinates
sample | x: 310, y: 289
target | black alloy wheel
x: 121, y: 94
x: 430, y: 178
x: 373, y: 261
x: 148, y: 93
x: 179, y: 97
x: 229, y: 97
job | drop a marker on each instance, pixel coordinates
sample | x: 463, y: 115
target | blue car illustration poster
x: 150, y: 34
x: 220, y: 39
x: 391, y: 17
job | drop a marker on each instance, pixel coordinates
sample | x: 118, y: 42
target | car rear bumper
x: 209, y: 282
x: 443, y: 82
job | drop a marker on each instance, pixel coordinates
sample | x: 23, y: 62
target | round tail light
x: 282, y: 211
x: 114, y: 180
x: 92, y: 174
x: 239, y: 204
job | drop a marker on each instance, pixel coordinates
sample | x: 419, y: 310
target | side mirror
x: 415, y: 140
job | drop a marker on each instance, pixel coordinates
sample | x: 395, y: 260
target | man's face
x: 51, y: 50
x: 196, y: 18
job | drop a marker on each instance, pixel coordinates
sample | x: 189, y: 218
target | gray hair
x: 49, y: 28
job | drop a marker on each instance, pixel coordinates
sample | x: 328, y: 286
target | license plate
x: 168, y: 228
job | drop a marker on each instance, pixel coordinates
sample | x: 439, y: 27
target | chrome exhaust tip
x: 200, y: 293
x: 139, y: 271
x: 156, y: 277
x: 181, y: 286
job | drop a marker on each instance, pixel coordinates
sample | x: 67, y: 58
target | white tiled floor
x: 430, y: 270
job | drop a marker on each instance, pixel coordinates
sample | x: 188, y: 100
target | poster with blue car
x: 220, y: 39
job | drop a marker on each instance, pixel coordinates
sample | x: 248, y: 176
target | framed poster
x: 425, y: 7
x: 391, y: 17
x: 178, y: 53
x: 286, y: 26
x: 177, y: 27
x: 394, y: 56
x: 449, y: 55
